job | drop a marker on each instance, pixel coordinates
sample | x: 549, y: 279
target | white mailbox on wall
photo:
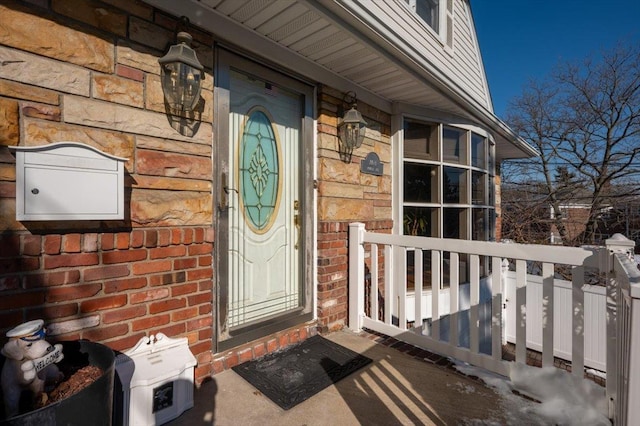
x: 68, y: 181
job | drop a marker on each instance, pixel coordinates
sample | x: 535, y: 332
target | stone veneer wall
x: 87, y: 71
x: 346, y: 195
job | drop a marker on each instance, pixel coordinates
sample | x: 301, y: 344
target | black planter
x: 90, y: 406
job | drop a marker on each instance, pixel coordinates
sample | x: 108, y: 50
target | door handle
x: 224, y: 191
x: 297, y: 221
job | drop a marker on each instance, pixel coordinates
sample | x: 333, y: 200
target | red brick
x: 119, y: 315
x: 130, y: 73
x: 172, y: 330
x: 103, y: 303
x: 200, y: 249
x: 52, y: 244
x: 70, y: 260
x: 259, y: 350
x: 149, y: 322
x: 201, y: 348
x: 71, y: 243
x: 124, y: 256
x: 125, y: 284
x: 11, y: 282
x: 294, y: 336
x: 164, y: 252
x: 283, y: 340
x: 72, y: 292
x: 50, y: 312
x: 184, y: 314
x: 209, y: 235
x: 167, y: 305
x: 205, y: 334
x: 107, y: 241
x: 105, y: 333
x: 150, y: 238
x: 186, y: 263
x: 52, y: 279
x: 137, y: 238
x: 21, y: 300
x: 176, y: 236
x: 245, y: 355
x: 272, y: 345
x: 205, y: 309
x: 198, y: 299
x: 144, y: 268
x: 205, y: 261
x: 199, y: 323
x: 218, y: 366
x: 32, y: 245
x: 204, y: 357
x: 90, y: 243
x: 183, y: 289
x: 199, y: 274
x: 9, y: 246
x: 205, y: 285
x: 231, y: 360
x: 105, y: 272
x: 170, y: 278
x: 125, y: 343
x: 164, y: 237
x: 122, y: 240
x: 199, y: 235
x: 187, y: 236
x: 146, y: 296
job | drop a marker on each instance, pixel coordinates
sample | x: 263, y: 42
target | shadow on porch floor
x: 401, y: 386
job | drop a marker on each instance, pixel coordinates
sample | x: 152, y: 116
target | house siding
x: 463, y: 63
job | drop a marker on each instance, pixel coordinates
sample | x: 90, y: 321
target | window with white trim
x: 437, y: 14
x: 447, y: 178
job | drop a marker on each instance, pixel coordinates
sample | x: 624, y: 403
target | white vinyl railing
x: 474, y: 308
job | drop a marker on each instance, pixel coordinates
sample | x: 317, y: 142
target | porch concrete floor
x: 396, y: 389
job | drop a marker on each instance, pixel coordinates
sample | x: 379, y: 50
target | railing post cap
x: 619, y: 240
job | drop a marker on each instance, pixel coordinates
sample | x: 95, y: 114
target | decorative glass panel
x: 259, y: 171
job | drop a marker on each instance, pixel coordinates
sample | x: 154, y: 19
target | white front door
x: 262, y: 201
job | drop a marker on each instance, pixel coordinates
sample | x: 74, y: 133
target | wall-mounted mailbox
x: 68, y: 181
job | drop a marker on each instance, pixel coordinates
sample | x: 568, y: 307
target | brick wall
x: 112, y: 287
x: 87, y: 71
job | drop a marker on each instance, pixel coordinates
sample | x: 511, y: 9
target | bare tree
x: 585, y: 121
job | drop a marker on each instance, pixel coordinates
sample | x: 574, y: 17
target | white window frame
x: 446, y: 13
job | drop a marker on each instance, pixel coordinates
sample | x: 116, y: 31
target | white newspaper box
x: 157, y: 380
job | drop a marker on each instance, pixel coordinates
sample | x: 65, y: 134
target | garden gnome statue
x: 30, y: 363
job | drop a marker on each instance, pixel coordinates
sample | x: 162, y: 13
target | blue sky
x: 524, y: 39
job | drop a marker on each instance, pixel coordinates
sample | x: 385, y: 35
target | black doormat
x: 297, y: 373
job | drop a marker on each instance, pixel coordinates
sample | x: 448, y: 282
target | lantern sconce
x: 181, y: 74
x: 351, y: 128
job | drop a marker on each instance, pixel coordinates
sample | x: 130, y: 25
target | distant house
x: 234, y: 230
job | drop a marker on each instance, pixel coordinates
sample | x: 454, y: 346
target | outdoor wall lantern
x: 351, y: 129
x: 181, y: 74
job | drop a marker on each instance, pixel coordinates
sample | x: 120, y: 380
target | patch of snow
x: 564, y: 399
x: 462, y: 388
x: 596, y: 373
